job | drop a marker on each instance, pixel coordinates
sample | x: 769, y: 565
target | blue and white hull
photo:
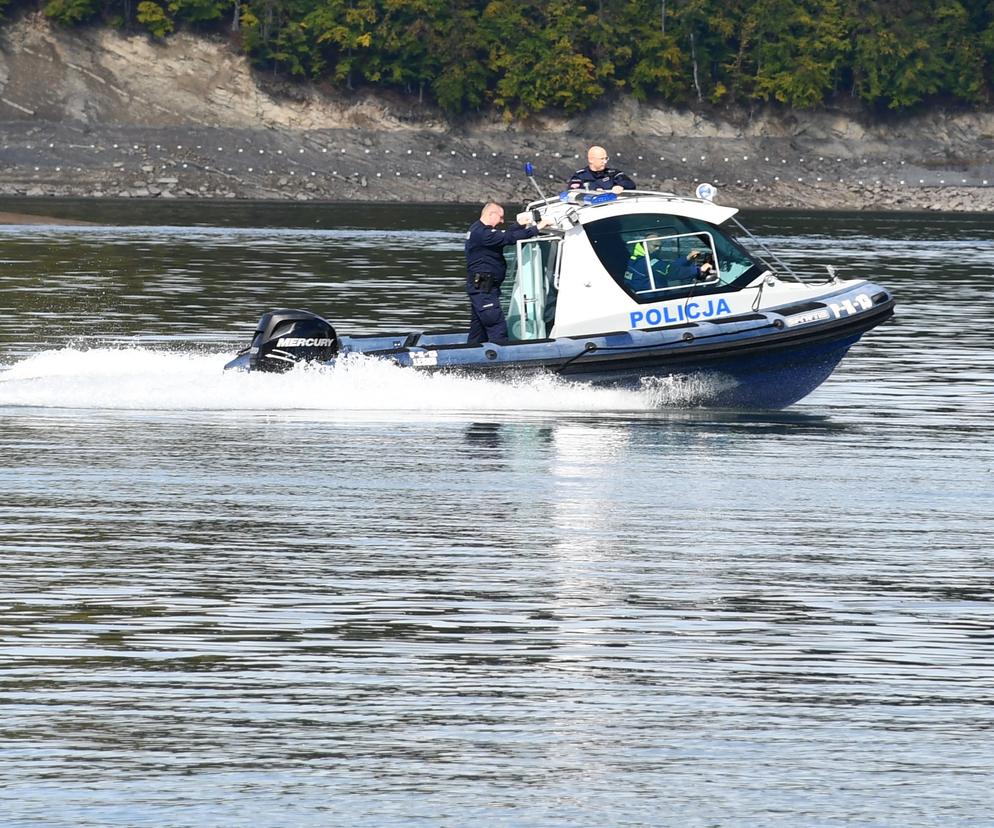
x: 758, y: 360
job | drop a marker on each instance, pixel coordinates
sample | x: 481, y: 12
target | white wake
x: 144, y: 378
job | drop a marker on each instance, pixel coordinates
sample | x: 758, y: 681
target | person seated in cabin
x: 597, y: 175
x: 640, y: 265
x: 690, y: 268
x: 646, y: 258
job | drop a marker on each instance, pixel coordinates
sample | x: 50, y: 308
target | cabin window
x: 654, y: 257
x: 658, y: 264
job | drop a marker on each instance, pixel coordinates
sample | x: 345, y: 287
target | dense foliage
x: 570, y: 54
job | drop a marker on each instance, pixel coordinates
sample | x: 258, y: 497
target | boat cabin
x: 617, y: 262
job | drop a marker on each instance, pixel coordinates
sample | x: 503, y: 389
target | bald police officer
x: 597, y: 175
x: 485, y: 271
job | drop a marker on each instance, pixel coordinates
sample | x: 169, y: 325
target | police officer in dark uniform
x: 485, y: 271
x: 597, y: 175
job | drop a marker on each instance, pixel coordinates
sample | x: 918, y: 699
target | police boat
x: 634, y: 290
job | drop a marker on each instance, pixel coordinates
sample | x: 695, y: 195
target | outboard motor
x: 285, y: 338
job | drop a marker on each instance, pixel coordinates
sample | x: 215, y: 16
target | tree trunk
x: 693, y: 57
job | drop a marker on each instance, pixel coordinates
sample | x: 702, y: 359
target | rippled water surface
x: 374, y: 598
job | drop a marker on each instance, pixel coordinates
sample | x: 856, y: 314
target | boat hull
x: 769, y: 371
x: 767, y: 380
x: 767, y: 360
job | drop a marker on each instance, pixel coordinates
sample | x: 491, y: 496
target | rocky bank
x: 94, y: 113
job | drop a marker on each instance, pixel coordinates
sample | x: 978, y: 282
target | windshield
x: 653, y: 256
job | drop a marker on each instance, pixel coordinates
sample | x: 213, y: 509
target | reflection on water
x: 378, y: 598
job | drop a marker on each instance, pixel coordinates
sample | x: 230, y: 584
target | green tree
x: 657, y: 66
x: 796, y: 47
x: 154, y: 18
x: 605, y: 35
x: 198, y: 11
x: 906, y: 50
x: 539, y: 58
x: 464, y: 77
x: 410, y: 49
x: 985, y: 25
x: 344, y: 30
x: 704, y: 32
x: 275, y: 34
x: 71, y: 12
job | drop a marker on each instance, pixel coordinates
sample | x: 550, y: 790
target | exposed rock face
x: 98, y: 77
x: 92, y: 112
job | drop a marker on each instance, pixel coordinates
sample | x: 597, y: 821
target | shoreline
x: 421, y: 167
x: 37, y: 219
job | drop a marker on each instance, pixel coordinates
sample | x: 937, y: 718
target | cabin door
x: 532, y: 309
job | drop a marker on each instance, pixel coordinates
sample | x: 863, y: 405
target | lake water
x: 376, y: 598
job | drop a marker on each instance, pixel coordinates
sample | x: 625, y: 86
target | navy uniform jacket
x: 587, y: 179
x: 484, y: 249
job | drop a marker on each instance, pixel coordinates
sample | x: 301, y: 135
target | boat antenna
x: 530, y: 172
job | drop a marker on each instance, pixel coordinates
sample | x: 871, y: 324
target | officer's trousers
x: 487, y: 322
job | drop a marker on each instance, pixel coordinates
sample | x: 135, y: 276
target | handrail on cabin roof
x: 624, y: 195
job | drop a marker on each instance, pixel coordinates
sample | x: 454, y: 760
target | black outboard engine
x: 285, y: 338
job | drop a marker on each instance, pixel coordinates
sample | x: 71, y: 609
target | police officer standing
x: 485, y: 271
x: 597, y: 175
